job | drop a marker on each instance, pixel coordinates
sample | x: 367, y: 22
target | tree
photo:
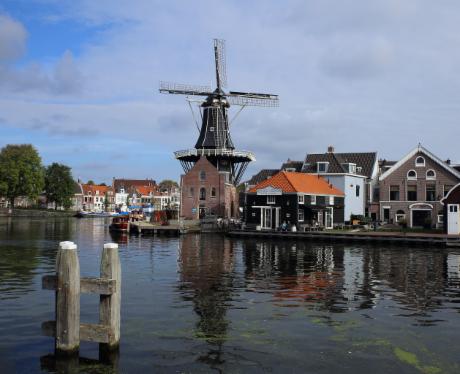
x: 168, y: 185
x: 106, y: 201
x: 59, y: 185
x: 90, y: 182
x: 21, y: 172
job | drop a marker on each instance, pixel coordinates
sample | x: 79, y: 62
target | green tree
x: 167, y: 185
x: 21, y: 172
x: 90, y: 182
x: 59, y: 185
x: 106, y: 201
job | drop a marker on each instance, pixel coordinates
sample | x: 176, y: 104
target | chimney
x: 330, y: 149
x: 448, y: 161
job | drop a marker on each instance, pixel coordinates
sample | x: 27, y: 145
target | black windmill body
x: 214, y: 141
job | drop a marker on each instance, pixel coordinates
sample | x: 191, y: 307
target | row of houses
x: 409, y: 191
x: 122, y: 195
x: 125, y: 194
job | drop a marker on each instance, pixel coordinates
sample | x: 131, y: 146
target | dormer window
x: 431, y: 174
x: 350, y: 168
x: 322, y: 167
x: 419, y: 161
x: 412, y: 175
x: 359, y: 169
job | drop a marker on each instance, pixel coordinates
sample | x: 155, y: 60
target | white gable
x: 269, y: 190
x: 426, y: 153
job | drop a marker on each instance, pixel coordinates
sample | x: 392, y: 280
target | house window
x: 331, y: 200
x: 211, y: 129
x: 202, y: 175
x: 419, y: 161
x: 412, y: 192
x: 430, y: 192
x: 271, y: 199
x: 447, y: 188
x: 191, y: 192
x: 430, y: 174
x: 394, y: 193
x: 322, y: 167
x: 412, y: 175
x: 350, y: 168
x: 441, y: 218
x: 300, y: 199
x: 357, y: 190
x: 300, y: 216
x: 313, y: 200
x: 213, y: 192
x: 400, y: 216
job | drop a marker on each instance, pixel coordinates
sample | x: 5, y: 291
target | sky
x: 79, y: 79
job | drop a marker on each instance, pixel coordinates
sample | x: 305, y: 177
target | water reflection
x: 341, y: 278
x: 201, y: 303
x: 206, y: 274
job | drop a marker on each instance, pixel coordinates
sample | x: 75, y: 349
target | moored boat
x: 84, y: 214
x: 120, y: 223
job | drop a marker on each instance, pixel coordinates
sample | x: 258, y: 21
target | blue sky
x: 79, y: 79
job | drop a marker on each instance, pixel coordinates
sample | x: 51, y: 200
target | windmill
x: 214, y: 141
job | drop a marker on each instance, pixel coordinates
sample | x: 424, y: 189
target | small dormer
x: 322, y: 166
x: 349, y: 167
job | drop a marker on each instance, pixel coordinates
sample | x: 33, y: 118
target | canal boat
x: 120, y: 223
x: 85, y: 214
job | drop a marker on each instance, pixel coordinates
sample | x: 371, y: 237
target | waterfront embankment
x: 31, y: 213
x: 404, y: 238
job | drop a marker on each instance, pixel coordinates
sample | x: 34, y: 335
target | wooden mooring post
x: 67, y: 329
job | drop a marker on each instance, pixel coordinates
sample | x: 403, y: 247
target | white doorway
x: 329, y: 218
x: 266, y: 218
x: 453, y: 226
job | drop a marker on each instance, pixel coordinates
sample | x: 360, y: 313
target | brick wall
x: 205, y: 176
x: 399, y: 178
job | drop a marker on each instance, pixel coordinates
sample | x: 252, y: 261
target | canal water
x: 199, y: 304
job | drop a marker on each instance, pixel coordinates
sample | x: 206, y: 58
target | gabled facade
x: 98, y: 198
x: 126, y: 193
x: 411, y: 189
x: 207, y: 191
x: 295, y: 199
x: 355, y: 173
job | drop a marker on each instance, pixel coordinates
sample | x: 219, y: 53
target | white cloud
x: 349, y: 73
x: 13, y: 38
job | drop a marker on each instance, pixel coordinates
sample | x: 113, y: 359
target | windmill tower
x: 214, y: 140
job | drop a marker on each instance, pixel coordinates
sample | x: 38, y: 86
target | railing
x: 215, y: 152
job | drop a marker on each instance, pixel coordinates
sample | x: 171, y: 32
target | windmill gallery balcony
x: 193, y: 154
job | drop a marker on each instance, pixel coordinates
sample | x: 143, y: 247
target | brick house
x: 98, y: 198
x: 205, y: 190
x: 411, y: 189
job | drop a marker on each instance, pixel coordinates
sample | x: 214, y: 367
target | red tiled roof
x: 93, y: 188
x: 299, y: 182
x: 145, y: 190
x: 128, y: 184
